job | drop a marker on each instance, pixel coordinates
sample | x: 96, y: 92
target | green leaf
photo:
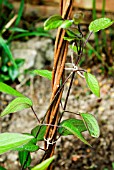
x: 41, y: 129
x: 74, y: 130
x: 2, y: 168
x: 53, y: 22
x: 70, y: 34
x: 13, y: 72
x: 92, y: 83
x: 30, y: 146
x: 16, y: 29
x: 66, y: 23
x: 9, y: 141
x: 7, y: 4
x: 44, y: 165
x: 91, y: 124
x: 4, y: 77
x: 100, y: 24
x: 44, y: 73
x: 69, y: 39
x: 16, y: 105
x: 77, y: 17
x: 19, y: 62
x: 20, y: 12
x: 4, y: 68
x: 35, y: 33
x: 73, y: 33
x: 113, y: 165
x: 79, y: 124
x: 74, y: 48
x: 24, y: 158
x: 7, y: 50
x: 9, y: 90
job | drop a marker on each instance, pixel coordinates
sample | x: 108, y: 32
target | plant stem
x: 103, y: 7
x: 46, y: 124
x: 67, y: 111
x: 25, y: 161
x: 86, y: 41
x: 35, y: 115
x: 94, y: 15
x: 103, y: 15
x: 66, y: 100
x: 59, y: 90
x: 94, y: 9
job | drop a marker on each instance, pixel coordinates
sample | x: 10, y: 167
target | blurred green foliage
x: 10, y: 30
x: 103, y: 47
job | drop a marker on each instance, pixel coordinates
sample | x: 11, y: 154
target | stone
x: 39, y: 62
x: 27, y: 54
x: 12, y: 156
x: 31, y: 43
x: 3, y: 158
x: 49, y: 53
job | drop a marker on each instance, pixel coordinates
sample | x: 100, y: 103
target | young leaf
x: 24, y: 158
x: 69, y: 39
x: 79, y: 124
x: 70, y: 33
x: 91, y: 124
x: 53, y: 22
x: 41, y: 130
x: 9, y: 141
x: 74, y: 33
x: 9, y: 90
x: 100, y: 24
x: 30, y: 146
x: 44, y: 165
x: 66, y: 23
x: 44, y: 73
x: 92, y: 83
x: 17, y: 104
x: 77, y: 17
x: 74, y: 130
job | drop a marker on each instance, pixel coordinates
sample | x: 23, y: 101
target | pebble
x: 3, y: 158
x: 28, y: 54
x: 12, y: 156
